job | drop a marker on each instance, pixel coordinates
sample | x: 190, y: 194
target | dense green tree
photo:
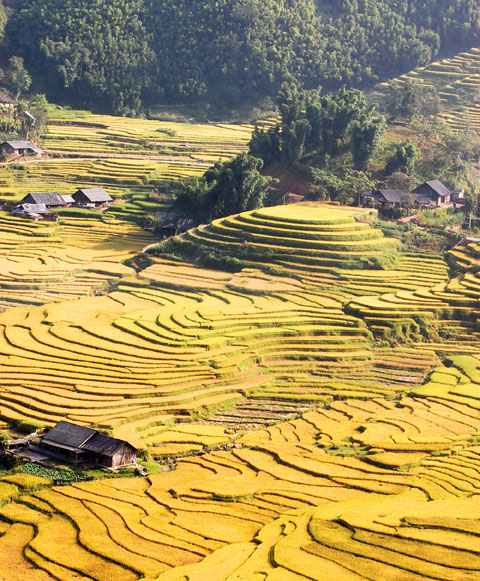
x: 234, y: 186
x: 399, y: 181
x: 190, y: 199
x: 315, y: 126
x: 266, y: 144
x: 345, y: 188
x: 471, y: 206
x: 367, y: 135
x: 404, y: 159
x: 226, y: 188
x: 17, y: 78
x: 124, y: 54
x: 3, y: 21
x: 96, y: 52
x: 405, y: 101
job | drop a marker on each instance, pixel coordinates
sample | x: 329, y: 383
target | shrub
x: 28, y: 427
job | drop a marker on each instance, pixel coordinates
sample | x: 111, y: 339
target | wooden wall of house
x: 123, y: 457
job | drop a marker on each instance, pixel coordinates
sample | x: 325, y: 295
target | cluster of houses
x: 37, y: 205
x: 432, y: 194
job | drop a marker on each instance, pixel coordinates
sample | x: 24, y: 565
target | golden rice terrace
x: 318, y: 398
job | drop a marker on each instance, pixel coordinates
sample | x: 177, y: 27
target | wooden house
x: 49, y: 199
x: 432, y: 193
x: 74, y: 443
x: 31, y: 211
x: 7, y: 102
x: 388, y: 198
x: 19, y: 148
x: 92, y: 197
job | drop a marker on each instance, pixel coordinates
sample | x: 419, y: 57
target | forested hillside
x: 122, y: 55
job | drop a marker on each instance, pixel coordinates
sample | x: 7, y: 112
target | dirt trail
x: 98, y: 155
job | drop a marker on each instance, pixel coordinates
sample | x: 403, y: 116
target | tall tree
x: 235, y: 186
x: 367, y: 135
x: 404, y: 159
x: 17, y: 78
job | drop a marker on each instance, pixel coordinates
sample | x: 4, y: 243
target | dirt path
x: 97, y: 156
x: 187, y: 160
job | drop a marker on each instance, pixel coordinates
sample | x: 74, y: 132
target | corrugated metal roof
x: 101, y: 444
x: 71, y: 437
x: 23, y: 145
x: 47, y: 198
x: 67, y: 434
x: 67, y: 199
x: 94, y: 194
x: 439, y: 188
x: 31, y: 209
x: 392, y: 196
x: 435, y: 187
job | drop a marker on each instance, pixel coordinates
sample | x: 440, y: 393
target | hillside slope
x: 325, y: 417
x: 123, y: 56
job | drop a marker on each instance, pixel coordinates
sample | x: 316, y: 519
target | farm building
x: 92, y: 198
x: 7, y: 102
x: 19, y: 148
x: 50, y: 199
x: 32, y: 211
x: 458, y: 196
x: 388, y: 198
x: 432, y: 193
x: 75, y: 443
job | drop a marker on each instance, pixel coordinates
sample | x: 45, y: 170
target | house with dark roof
x: 19, y: 148
x: 50, y: 199
x: 92, y: 197
x: 75, y: 443
x: 7, y: 102
x: 388, y: 198
x: 432, y: 193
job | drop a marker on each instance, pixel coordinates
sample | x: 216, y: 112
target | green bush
x: 28, y: 427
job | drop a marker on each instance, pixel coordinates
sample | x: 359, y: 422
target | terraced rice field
x: 324, y: 412
x: 43, y: 262
x: 108, y: 134
x: 284, y: 503
x: 126, y: 156
x: 457, y: 80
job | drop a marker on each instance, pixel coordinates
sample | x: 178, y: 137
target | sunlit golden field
x: 324, y: 411
x: 125, y: 156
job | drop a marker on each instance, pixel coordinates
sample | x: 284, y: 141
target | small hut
x: 75, y: 443
x: 19, y: 148
x: 49, y: 199
x: 7, y: 102
x: 92, y: 197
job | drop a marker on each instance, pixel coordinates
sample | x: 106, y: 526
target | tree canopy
x: 123, y: 54
x: 315, y: 127
x: 226, y: 188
